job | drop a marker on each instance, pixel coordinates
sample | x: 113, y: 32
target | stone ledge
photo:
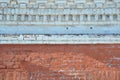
x: 59, y: 39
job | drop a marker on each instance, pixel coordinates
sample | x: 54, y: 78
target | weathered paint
x: 60, y: 29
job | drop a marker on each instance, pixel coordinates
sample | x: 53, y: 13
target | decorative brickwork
x: 60, y: 16
x: 60, y: 62
x: 59, y: 12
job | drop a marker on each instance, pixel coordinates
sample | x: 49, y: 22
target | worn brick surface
x: 60, y: 62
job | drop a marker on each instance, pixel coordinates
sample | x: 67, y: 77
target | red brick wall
x: 60, y: 62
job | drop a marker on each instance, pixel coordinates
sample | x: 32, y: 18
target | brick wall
x: 60, y: 62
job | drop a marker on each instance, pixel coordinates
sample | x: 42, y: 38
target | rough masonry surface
x: 60, y: 62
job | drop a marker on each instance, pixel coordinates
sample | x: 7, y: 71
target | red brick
x: 9, y: 76
x: 2, y: 75
x: 61, y: 62
x: 2, y: 66
x: 8, y: 64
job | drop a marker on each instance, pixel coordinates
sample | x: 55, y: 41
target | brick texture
x: 60, y: 62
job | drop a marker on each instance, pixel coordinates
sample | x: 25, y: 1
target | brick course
x: 60, y: 62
